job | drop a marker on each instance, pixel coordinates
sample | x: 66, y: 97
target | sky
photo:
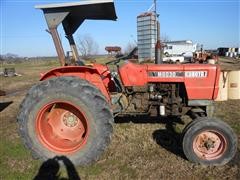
x: 213, y: 23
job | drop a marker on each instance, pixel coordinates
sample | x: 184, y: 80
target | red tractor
x: 71, y: 110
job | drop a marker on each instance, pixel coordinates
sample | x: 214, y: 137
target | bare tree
x: 1, y: 58
x: 130, y: 46
x: 87, y: 46
x: 164, y: 38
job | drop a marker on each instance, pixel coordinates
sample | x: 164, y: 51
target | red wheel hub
x: 62, y: 127
x: 209, y: 145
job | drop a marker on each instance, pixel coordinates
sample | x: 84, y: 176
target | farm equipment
x: 203, y: 56
x: 71, y: 111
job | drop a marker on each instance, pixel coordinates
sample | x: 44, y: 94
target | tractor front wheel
x: 65, y: 116
x: 209, y: 142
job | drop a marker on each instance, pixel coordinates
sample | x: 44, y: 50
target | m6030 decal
x: 173, y: 74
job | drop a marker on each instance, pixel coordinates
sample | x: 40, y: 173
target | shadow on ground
x: 166, y: 138
x: 146, y: 119
x: 4, y: 105
x: 50, y: 169
x: 170, y: 141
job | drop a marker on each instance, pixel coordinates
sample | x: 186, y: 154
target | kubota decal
x: 195, y: 74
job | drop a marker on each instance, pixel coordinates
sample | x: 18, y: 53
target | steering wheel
x: 117, y: 60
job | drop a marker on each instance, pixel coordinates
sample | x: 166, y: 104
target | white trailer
x: 183, y: 48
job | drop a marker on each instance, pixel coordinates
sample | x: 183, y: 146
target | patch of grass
x: 14, y: 149
x: 236, y: 127
x: 10, y: 175
x: 93, y: 170
x: 29, y: 71
x: 103, y: 59
x: 16, y: 162
x: 127, y: 171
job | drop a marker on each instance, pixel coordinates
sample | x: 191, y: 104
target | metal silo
x: 146, y: 35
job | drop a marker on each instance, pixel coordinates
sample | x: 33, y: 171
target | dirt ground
x: 144, y: 150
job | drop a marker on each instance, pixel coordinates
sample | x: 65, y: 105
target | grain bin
x: 223, y: 86
x: 234, y: 85
x: 147, y: 36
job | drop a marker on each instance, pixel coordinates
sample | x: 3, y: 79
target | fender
x: 90, y: 74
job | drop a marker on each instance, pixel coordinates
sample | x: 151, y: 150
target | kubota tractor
x: 71, y: 110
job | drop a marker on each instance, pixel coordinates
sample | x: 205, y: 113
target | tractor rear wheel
x: 209, y: 142
x: 65, y: 116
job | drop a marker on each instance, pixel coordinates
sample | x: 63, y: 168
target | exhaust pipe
x: 158, y: 54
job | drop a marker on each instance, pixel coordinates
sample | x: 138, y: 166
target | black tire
x: 166, y: 54
x: 192, y: 123
x: 80, y: 93
x: 210, y: 125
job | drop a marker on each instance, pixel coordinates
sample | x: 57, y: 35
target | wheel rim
x: 209, y: 145
x: 62, y: 127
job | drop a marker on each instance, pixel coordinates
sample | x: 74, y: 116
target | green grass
x: 16, y: 162
x: 13, y: 149
x: 236, y: 127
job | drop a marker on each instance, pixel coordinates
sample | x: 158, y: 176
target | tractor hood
x: 72, y: 15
